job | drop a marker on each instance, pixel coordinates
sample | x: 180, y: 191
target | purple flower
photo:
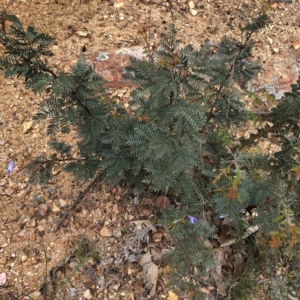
x: 223, y: 216
x: 192, y: 219
x: 10, y: 167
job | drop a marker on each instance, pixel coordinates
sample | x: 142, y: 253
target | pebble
x: 62, y: 203
x: 27, y: 126
x: 105, y: 232
x: 193, y: 11
x: 87, y: 294
x: 23, y: 257
x: 23, y: 193
x: 55, y: 208
x: 52, y: 190
x: 270, y: 40
x: 82, y: 33
x: 117, y: 233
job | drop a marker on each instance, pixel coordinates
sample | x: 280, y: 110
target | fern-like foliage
x: 177, y: 138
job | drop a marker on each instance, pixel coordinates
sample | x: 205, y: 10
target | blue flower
x: 192, y: 219
x: 10, y: 167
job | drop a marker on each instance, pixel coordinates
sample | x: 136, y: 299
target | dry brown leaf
x: 156, y: 253
x: 222, y: 284
x: 150, y: 273
x: 219, y: 256
x: 138, y: 287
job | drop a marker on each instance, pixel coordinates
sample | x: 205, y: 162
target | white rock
x: 27, y: 126
x: 23, y: 258
x: 118, y: 5
x: 82, y: 33
x: 62, y: 203
x: 55, y: 208
x: 270, y: 40
x: 193, y: 11
x: 191, y: 4
x: 87, y: 294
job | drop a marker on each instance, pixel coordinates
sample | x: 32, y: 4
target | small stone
x: 191, y: 4
x: 24, y: 257
x: 118, y: 5
x: 73, y: 265
x: 35, y: 295
x: 276, y: 50
x: 208, y: 244
x: 87, y: 294
x: 41, y: 211
x: 36, y: 198
x: 55, y: 208
x: 116, y: 286
x: 52, y: 190
x: 270, y: 40
x: 62, y: 203
x: 23, y: 193
x: 117, y: 233
x: 72, y: 292
x: 27, y: 126
x: 193, y: 11
x: 2, y: 278
x: 82, y: 33
x: 41, y: 228
x: 105, y: 232
x: 118, y: 208
x: 296, y: 45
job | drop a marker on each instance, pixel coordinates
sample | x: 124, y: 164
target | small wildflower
x: 223, y: 216
x: 10, y: 167
x: 192, y: 219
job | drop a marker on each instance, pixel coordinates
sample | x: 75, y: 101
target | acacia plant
x: 182, y: 136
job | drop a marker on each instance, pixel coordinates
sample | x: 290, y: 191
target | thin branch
x: 78, y: 199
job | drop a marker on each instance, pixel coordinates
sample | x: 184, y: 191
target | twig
x: 3, y: 194
x: 77, y: 200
